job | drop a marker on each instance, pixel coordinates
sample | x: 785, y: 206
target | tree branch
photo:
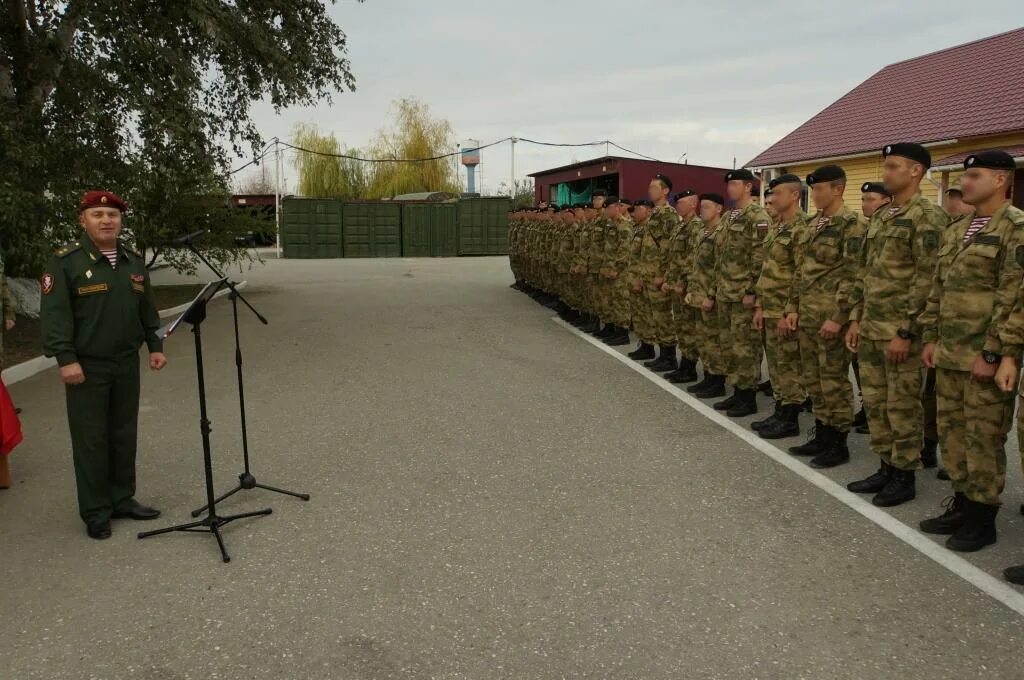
x: 50, y: 68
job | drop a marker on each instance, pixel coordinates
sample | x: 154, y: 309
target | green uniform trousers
x: 685, y: 319
x: 103, y: 416
x: 892, y: 399
x: 741, y: 345
x: 783, y: 358
x: 825, y: 373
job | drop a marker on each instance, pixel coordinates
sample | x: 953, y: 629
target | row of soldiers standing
x: 898, y: 290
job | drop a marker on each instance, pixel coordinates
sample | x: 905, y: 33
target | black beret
x: 644, y: 201
x: 911, y: 150
x: 768, y: 192
x: 579, y: 206
x: 599, y: 192
x: 554, y: 206
x: 994, y: 160
x: 826, y: 173
x: 714, y: 198
x: 742, y: 173
x: 788, y: 178
x: 664, y: 180
x: 611, y: 199
x: 957, y: 188
x: 685, y: 192
x: 874, y: 188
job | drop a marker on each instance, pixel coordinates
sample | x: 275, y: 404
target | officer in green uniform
x: 97, y: 311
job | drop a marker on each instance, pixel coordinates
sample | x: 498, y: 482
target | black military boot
x: 929, y: 457
x: 873, y: 483
x: 900, y: 488
x: 786, y: 425
x: 860, y: 419
x: 606, y: 331
x: 765, y: 388
x: 837, y: 453
x: 642, y: 352
x: 686, y: 373
x: 942, y: 474
x: 815, y: 443
x: 759, y: 425
x: 714, y: 388
x: 807, y: 406
x: 621, y: 337
x: 1015, y: 574
x: 746, y: 404
x: 666, y: 360
x: 977, y: 531
x: 694, y: 389
x: 950, y: 520
x: 728, y: 402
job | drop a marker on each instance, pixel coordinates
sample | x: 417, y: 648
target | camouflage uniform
x: 639, y: 305
x: 739, y: 266
x: 774, y: 288
x: 680, y: 268
x: 618, y: 244
x: 974, y: 289
x: 701, y: 286
x: 894, y: 278
x: 653, y: 264
x: 595, y: 263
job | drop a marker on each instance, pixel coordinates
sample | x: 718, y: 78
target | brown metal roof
x: 969, y: 90
x: 1017, y: 151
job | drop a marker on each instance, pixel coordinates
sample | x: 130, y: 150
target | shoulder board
x: 1015, y: 215
x: 68, y: 249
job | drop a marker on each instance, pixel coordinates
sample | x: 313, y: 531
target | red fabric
x: 10, y: 425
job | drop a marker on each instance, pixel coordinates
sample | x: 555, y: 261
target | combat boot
x: 950, y: 520
x: 835, y: 454
x: 929, y: 457
x: 714, y: 388
x: 728, y: 402
x: 899, y: 489
x: 1015, y: 574
x: 942, y: 474
x: 581, y: 320
x: 686, y: 373
x: 765, y: 388
x: 642, y: 352
x: 606, y: 331
x: 815, y: 443
x: 592, y: 325
x: 786, y: 425
x: 860, y: 419
x: 621, y: 337
x: 666, y: 360
x: 702, y: 385
x: 746, y: 404
x: 759, y: 425
x: 978, y: 530
x: 873, y: 483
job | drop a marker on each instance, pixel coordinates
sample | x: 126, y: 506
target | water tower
x: 471, y: 159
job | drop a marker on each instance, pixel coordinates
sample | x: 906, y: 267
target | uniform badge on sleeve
x: 930, y: 240
x: 138, y: 278
x: 1019, y: 255
x: 762, y: 229
x: 47, y: 283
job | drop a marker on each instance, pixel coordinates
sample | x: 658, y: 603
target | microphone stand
x: 246, y: 480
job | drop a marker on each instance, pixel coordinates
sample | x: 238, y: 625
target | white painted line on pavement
x: 988, y: 584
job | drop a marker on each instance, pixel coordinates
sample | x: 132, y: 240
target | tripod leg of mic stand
x: 199, y: 511
x: 215, y: 530
x: 167, y: 530
x: 303, y: 496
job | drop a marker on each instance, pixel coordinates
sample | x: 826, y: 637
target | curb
x: 27, y: 369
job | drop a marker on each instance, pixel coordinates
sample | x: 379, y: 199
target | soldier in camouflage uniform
x: 652, y: 267
x: 774, y: 290
x: 680, y: 267
x: 975, y: 287
x: 700, y: 295
x: 739, y: 266
x: 894, y: 278
x: 639, y: 304
x: 618, y: 240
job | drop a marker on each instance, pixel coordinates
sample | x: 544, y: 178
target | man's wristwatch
x: 904, y: 334
x: 991, y: 357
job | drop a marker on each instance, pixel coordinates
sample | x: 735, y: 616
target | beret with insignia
x: 599, y: 192
x: 101, y: 199
x: 911, y: 150
x: 685, y: 192
x: 664, y: 180
x: 644, y: 201
x: 874, y: 188
x: 714, y: 198
x: 742, y: 173
x: 994, y: 160
x: 826, y: 173
x: 768, y: 192
x: 788, y: 178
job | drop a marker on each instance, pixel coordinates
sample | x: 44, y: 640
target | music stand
x: 194, y: 316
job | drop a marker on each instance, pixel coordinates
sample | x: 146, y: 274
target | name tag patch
x: 93, y: 289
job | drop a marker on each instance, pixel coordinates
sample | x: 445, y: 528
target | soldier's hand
x: 748, y: 301
x: 829, y: 329
x: 665, y: 288
x: 613, y: 274
x: 9, y: 324
x: 981, y: 370
x: 638, y: 287
x: 897, y: 351
x: 783, y: 329
x: 758, y: 319
x: 853, y: 337
x: 157, y: 360
x: 72, y: 374
x: 928, y: 355
x: 678, y: 290
x: 1006, y: 375
x: 708, y: 304
x: 793, y: 321
x: 658, y: 283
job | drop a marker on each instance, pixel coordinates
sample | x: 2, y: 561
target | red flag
x: 10, y: 425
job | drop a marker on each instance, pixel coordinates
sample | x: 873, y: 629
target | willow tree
x: 323, y: 172
x: 413, y: 134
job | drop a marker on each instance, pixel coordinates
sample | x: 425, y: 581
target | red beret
x: 101, y: 199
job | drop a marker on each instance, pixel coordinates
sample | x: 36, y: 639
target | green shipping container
x: 311, y: 228
x: 372, y: 229
x: 429, y: 230
x: 483, y: 226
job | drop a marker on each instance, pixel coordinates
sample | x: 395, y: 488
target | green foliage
x: 138, y: 96
x: 327, y: 176
x: 524, y: 195
x: 414, y: 133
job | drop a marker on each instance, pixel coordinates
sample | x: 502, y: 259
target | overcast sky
x: 713, y: 80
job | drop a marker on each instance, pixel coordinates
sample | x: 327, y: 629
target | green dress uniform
x: 99, y: 316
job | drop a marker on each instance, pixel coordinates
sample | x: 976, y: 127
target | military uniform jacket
x: 654, y: 252
x: 775, y: 285
x: 975, y: 286
x: 595, y: 260
x: 636, y: 245
x: 827, y: 261
x: 92, y: 311
x: 680, y: 258
x: 618, y: 241
x: 741, y: 254
x: 702, y: 282
x: 896, y: 269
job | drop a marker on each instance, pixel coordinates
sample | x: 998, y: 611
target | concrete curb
x: 27, y: 369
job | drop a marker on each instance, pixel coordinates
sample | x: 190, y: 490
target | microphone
x: 187, y: 239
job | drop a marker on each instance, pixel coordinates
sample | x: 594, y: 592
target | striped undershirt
x: 822, y: 222
x: 893, y: 210
x: 735, y: 212
x: 111, y: 255
x: 977, y: 224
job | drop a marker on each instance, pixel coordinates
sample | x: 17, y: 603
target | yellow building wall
x: 869, y: 169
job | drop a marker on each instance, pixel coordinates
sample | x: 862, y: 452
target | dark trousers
x: 103, y: 415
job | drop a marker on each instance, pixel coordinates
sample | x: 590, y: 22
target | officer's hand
x: 830, y: 329
x: 981, y: 370
x: 928, y: 355
x: 157, y: 360
x: 897, y: 351
x: 748, y: 301
x: 853, y: 337
x: 1006, y: 376
x: 9, y: 324
x: 72, y: 374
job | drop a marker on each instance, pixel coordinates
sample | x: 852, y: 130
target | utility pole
x: 277, y: 193
x: 512, y: 186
